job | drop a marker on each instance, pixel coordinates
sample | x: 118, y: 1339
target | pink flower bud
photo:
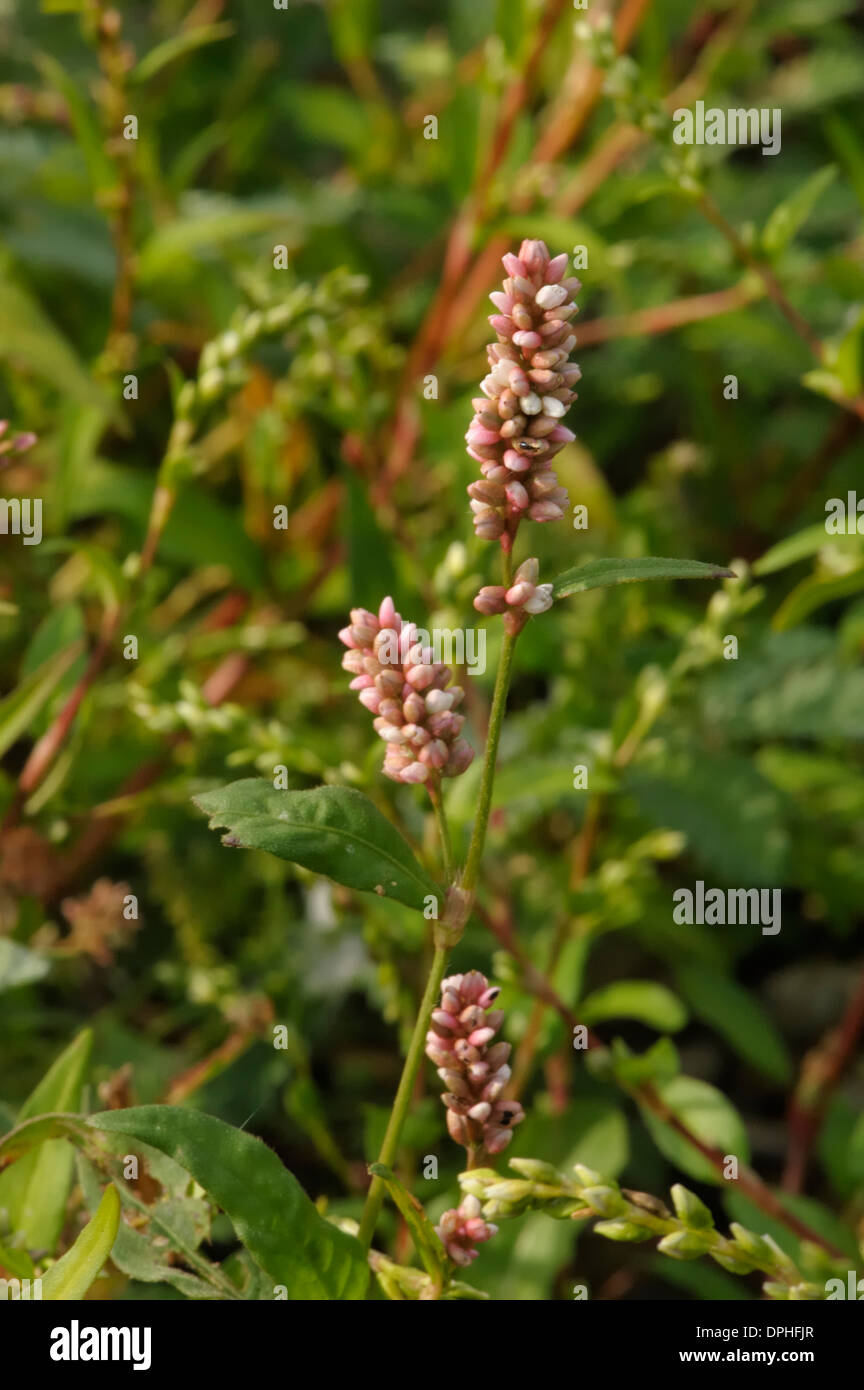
x: 481, y: 1111
x: 495, y: 1139
x: 545, y: 511
x: 534, y: 256
x: 527, y: 341
x: 420, y: 676
x: 417, y: 772
x: 517, y: 496
x: 517, y: 595
x: 461, y: 757
x: 491, y: 600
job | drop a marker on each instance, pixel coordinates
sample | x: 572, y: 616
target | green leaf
x: 824, y: 383
x: 540, y: 1248
x: 511, y: 27
x: 801, y: 546
x: 733, y: 818
x: 841, y: 1146
x: 643, y: 999
x: 793, y: 212
x: 846, y: 143
x: 353, y: 25
x: 789, y: 685
x: 705, y: 1111
x: 738, y: 1017
x: 28, y: 1135
x: 18, y: 966
x: 206, y: 225
x: 423, y: 1233
x: 30, y: 342
x: 658, y: 1065
x: 35, y: 1189
x: 335, y: 831
x: 59, y: 630
x: 601, y: 1135
x: 271, y: 1213
x: 83, y: 118
x: 177, y: 47
x: 178, y: 1223
x: 16, y: 1262
x: 74, y: 1272
x: 602, y: 574
x: 814, y: 592
x: 21, y: 706
x: 842, y: 356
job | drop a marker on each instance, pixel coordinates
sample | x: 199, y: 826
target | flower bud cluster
x: 523, y: 598
x: 410, y: 695
x: 638, y: 1216
x: 462, y: 1228
x: 473, y: 1068
x: 517, y: 429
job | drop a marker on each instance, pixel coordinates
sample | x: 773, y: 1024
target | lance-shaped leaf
x: 74, y: 1272
x: 31, y: 1133
x: 602, y: 574
x: 271, y: 1213
x: 423, y: 1233
x: 34, y: 1190
x: 335, y: 831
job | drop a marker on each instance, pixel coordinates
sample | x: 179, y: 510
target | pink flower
x: 461, y: 1228
x: 409, y: 693
x: 472, y: 1067
x: 516, y: 430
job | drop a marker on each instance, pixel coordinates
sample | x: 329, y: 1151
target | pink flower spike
x: 390, y: 669
x: 528, y: 388
x: 475, y: 1111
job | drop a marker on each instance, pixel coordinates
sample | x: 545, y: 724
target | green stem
x: 443, y: 831
x: 496, y: 719
x: 416, y: 1047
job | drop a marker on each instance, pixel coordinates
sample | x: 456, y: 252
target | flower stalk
x: 390, y: 1146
